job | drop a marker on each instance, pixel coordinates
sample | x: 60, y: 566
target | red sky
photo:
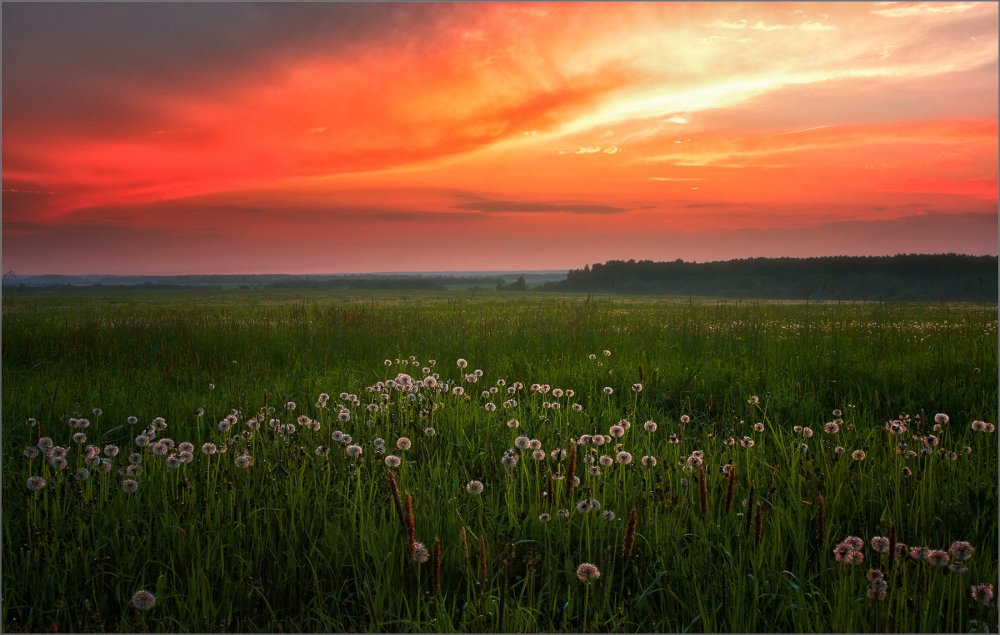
x: 315, y: 138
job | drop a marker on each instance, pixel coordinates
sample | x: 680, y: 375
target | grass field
x: 735, y: 528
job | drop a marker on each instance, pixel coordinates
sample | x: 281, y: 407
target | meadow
x: 287, y: 461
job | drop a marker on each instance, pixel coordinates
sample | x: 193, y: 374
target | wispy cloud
x: 906, y: 9
x: 760, y: 25
x: 539, y: 207
x: 672, y: 179
x: 803, y: 130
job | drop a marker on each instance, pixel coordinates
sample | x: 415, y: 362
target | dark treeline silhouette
x: 948, y: 277
x: 361, y: 284
x: 518, y: 285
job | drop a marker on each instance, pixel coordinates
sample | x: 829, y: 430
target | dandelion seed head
x: 420, y: 553
x: 392, y: 461
x: 474, y: 487
x: 853, y: 543
x: 143, y: 600
x: 961, y: 550
x: 982, y: 593
x: 938, y: 557
x: 587, y: 572
x: 880, y: 544
x: 509, y: 459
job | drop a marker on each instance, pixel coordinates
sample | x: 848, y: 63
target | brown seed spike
x: 411, y: 525
x: 758, y: 523
x: 702, y: 491
x: 628, y: 540
x: 892, y: 544
x: 482, y: 560
x: 641, y: 377
x: 731, y: 490
x: 436, y: 580
x: 465, y: 545
x: 398, y: 504
x: 820, y: 518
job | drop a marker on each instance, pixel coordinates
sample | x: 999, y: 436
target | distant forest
x: 946, y: 277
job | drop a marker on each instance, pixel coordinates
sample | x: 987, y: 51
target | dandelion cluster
x: 848, y: 551
x: 982, y: 426
x: 878, y: 587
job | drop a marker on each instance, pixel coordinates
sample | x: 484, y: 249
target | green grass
x: 308, y: 539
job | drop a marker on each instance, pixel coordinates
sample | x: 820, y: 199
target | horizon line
x: 468, y: 272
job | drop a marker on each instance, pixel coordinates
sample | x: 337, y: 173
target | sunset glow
x: 311, y: 138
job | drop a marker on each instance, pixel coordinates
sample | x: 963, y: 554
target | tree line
x: 945, y: 277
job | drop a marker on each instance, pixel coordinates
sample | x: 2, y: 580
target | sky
x: 163, y: 138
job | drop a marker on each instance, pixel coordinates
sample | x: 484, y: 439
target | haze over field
x: 244, y: 138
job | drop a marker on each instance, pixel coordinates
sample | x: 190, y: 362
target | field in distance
x: 308, y: 461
